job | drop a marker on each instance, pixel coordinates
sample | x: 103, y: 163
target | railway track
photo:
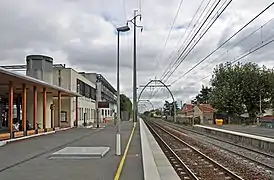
x: 254, y: 160
x: 189, y: 162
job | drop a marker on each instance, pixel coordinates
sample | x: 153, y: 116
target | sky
x: 82, y: 34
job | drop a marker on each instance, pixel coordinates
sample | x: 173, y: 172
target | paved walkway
x: 255, y: 130
x: 29, y: 159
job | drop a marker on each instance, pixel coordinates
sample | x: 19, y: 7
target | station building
x: 51, y: 96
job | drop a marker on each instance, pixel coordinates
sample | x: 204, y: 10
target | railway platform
x: 41, y: 157
x: 32, y: 158
x: 250, y: 136
x: 248, y: 129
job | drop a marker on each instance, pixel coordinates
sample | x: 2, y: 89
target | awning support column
x: 76, y: 112
x: 44, y: 108
x: 59, y: 109
x: 10, y: 113
x: 35, y: 108
x: 24, y: 109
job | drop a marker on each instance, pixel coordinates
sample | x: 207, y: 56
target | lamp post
x: 118, y: 135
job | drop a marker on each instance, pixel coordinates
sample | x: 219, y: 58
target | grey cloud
x: 83, y: 33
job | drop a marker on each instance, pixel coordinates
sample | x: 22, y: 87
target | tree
x: 172, y: 107
x: 166, y: 108
x: 169, y: 108
x: 146, y: 113
x: 125, y: 103
x: 226, y: 92
x: 203, y: 96
x: 239, y: 88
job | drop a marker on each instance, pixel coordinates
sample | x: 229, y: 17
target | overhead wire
x: 225, y: 42
x: 239, y: 42
x: 204, y: 20
x: 199, y: 27
x: 183, y: 35
x: 251, y: 50
x: 169, y: 33
x: 255, y: 48
x: 185, y: 56
x: 171, y: 28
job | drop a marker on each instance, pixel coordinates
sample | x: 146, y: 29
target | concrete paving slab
x: 77, y: 152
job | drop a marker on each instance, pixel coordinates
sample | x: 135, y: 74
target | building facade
x: 92, y: 87
x: 106, y: 96
x: 70, y: 79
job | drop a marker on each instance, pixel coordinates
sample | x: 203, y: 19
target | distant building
x: 107, y: 95
x: 91, y: 86
x: 205, y: 113
x: 70, y: 79
x: 200, y: 113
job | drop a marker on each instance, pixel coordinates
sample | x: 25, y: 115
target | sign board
x: 103, y: 105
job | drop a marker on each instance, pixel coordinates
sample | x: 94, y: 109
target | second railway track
x: 252, y: 159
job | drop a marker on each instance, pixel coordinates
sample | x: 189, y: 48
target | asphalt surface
x: 29, y: 159
x: 255, y: 130
x: 133, y: 168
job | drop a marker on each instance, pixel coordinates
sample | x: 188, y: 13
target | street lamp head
x: 123, y: 29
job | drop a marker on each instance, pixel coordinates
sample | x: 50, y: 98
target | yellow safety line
x: 121, y: 164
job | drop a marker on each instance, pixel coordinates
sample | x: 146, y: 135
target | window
x: 63, y: 116
x: 102, y: 112
x: 93, y: 93
x: 79, y: 114
x: 82, y: 113
x: 86, y: 90
x: 106, y: 112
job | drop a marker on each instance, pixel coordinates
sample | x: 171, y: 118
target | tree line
x: 239, y: 88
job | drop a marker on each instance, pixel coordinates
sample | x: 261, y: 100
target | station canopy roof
x: 18, y: 79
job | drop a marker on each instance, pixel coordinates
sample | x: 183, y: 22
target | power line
x: 193, y: 37
x: 255, y: 48
x: 183, y: 35
x: 218, y: 15
x: 252, y: 51
x: 225, y: 42
x: 205, y: 19
x: 197, y: 21
x: 239, y: 42
x: 173, y: 23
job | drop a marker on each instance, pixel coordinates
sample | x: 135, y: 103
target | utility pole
x: 134, y: 71
x: 133, y: 21
x: 258, y: 119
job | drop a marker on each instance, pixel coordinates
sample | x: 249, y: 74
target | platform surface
x: 248, y: 129
x: 29, y: 159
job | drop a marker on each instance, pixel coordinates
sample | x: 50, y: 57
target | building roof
x: 187, y: 108
x: 206, y: 108
x: 8, y: 75
x: 268, y: 118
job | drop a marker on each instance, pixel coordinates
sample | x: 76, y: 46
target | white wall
x: 85, y: 105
